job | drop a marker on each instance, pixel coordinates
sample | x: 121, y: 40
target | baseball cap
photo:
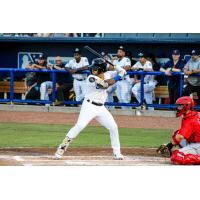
x: 142, y: 55
x: 121, y: 48
x: 77, y: 50
x: 175, y: 52
x: 41, y: 57
x: 194, y: 52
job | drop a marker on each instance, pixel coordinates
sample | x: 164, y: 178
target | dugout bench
x: 161, y: 92
x: 19, y: 88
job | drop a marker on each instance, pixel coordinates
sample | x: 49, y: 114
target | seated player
x: 93, y: 107
x: 187, y: 138
x: 149, y: 83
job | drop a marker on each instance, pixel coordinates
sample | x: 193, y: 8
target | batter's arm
x: 117, y: 78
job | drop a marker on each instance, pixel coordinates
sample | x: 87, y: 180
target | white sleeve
x: 69, y: 64
x: 96, y: 81
x: 85, y: 62
x: 112, y: 74
x: 127, y: 62
x: 148, y: 65
x: 136, y: 65
x: 118, y: 68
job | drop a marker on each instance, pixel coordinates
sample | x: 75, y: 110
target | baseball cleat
x: 118, y: 156
x: 62, y: 148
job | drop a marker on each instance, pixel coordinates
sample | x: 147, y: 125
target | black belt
x: 95, y: 103
x: 80, y: 79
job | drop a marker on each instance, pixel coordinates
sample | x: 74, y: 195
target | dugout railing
x: 13, y: 71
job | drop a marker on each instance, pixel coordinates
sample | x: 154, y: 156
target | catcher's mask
x: 183, y: 105
x: 98, y: 65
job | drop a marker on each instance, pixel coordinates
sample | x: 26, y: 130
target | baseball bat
x: 97, y: 54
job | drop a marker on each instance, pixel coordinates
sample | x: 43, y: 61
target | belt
x: 95, y: 103
x: 80, y: 79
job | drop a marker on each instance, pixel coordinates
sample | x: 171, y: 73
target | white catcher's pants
x: 103, y: 116
x: 79, y: 89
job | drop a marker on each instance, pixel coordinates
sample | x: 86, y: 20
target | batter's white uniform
x: 89, y: 111
x: 79, y: 83
x: 124, y: 86
x: 149, y: 83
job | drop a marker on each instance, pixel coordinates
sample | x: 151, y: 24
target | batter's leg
x: 87, y: 113
x: 106, y: 119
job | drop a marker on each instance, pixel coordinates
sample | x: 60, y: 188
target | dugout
x: 157, y: 44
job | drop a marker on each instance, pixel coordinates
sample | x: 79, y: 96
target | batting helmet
x: 98, y: 65
x: 184, y: 104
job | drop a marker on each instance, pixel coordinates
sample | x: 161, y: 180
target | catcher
x: 187, y: 138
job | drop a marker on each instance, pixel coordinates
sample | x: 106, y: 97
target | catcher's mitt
x: 164, y: 150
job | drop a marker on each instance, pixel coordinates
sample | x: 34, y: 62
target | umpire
x: 191, y: 69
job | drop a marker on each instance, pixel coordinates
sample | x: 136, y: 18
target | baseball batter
x: 124, y: 86
x: 93, y: 107
x: 187, y: 138
x: 76, y: 66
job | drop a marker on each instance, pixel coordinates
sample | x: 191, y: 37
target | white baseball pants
x: 44, y: 90
x: 103, y: 116
x: 79, y: 89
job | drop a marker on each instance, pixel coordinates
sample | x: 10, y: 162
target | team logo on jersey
x: 91, y: 79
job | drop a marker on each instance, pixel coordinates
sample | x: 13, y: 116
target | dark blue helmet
x: 99, y: 64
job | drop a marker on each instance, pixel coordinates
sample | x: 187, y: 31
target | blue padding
x: 13, y: 72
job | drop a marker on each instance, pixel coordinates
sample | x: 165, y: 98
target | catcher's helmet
x: 184, y: 104
x: 99, y: 65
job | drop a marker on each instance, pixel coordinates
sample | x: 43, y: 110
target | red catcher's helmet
x: 184, y: 104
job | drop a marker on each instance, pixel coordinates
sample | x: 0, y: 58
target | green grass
x: 34, y: 135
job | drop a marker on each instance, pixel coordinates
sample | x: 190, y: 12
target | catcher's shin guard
x: 62, y: 148
x: 179, y: 158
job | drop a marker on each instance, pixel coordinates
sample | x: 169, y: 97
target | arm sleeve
x: 148, y: 66
x: 69, y: 65
x: 186, y: 130
x: 136, y: 66
x: 127, y: 62
x: 85, y: 62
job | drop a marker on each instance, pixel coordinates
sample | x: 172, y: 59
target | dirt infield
x: 70, y: 118
x: 79, y: 157
x: 82, y: 156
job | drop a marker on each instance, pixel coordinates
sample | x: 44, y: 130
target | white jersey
x: 94, y: 92
x: 121, y: 63
x: 147, y: 65
x: 74, y: 65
